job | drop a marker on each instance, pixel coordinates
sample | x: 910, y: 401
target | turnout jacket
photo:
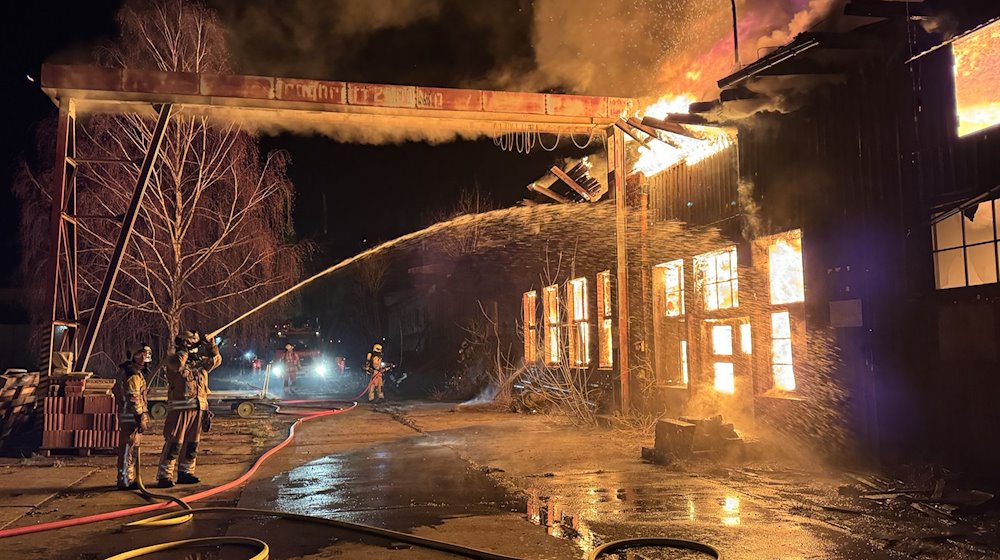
x: 187, y: 387
x: 130, y: 393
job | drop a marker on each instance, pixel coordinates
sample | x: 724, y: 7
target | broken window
x: 965, y: 247
x: 781, y: 351
x: 716, y: 277
x: 579, y: 327
x: 784, y: 259
x: 529, y: 310
x: 550, y: 310
x: 746, y: 338
x: 604, y: 351
x: 684, y: 361
x: 722, y: 340
x: 725, y: 379
x: 673, y: 287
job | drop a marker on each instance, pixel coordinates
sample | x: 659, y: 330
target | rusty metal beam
x: 58, y: 240
x: 546, y: 192
x: 558, y: 172
x: 274, y: 99
x: 128, y: 224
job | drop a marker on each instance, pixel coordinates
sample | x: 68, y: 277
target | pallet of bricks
x: 77, y: 419
x: 18, y: 393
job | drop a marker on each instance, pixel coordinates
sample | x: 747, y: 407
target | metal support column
x: 101, y: 305
x: 616, y: 180
x: 61, y: 271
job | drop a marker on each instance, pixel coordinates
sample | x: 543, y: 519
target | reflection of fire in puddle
x: 731, y: 510
x: 548, y: 512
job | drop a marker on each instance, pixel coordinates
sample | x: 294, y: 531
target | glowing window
x: 550, y: 309
x: 722, y: 340
x: 725, y: 381
x: 716, y: 276
x: 684, y: 361
x: 604, y: 341
x: 673, y: 287
x: 784, y: 259
x: 746, y: 338
x: 977, y: 79
x: 529, y: 311
x: 781, y: 351
x: 579, y: 328
x: 965, y: 247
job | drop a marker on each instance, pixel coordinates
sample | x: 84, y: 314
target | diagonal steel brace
x: 101, y: 305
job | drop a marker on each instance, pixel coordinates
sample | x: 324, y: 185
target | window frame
x: 552, y: 323
x: 577, y: 322
x: 605, y: 340
x: 530, y: 328
x: 964, y: 247
x: 705, y: 287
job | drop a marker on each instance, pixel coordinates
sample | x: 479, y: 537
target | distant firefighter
x: 133, y: 414
x: 292, y: 364
x: 187, y: 370
x: 375, y: 367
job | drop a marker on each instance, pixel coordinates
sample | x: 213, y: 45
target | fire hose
x: 262, y: 551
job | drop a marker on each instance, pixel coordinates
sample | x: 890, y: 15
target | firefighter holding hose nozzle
x: 133, y: 414
x: 187, y: 370
x: 375, y: 367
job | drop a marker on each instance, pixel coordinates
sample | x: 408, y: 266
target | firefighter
x: 375, y: 367
x: 292, y: 365
x: 187, y: 372
x: 133, y: 414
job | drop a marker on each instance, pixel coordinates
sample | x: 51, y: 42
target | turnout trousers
x: 128, y: 452
x: 376, y: 386
x: 181, y: 434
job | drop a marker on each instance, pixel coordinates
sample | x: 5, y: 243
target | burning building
x: 852, y: 169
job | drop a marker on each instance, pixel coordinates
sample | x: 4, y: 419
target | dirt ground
x: 531, y: 486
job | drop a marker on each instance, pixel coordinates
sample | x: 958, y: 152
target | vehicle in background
x: 315, y: 366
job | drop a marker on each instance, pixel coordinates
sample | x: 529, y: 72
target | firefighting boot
x: 187, y: 478
x: 125, y: 486
x: 164, y: 483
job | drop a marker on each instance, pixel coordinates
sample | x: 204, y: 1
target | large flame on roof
x: 672, y: 149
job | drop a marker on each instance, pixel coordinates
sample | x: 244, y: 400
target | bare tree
x: 466, y: 240
x: 212, y: 237
x: 370, y: 275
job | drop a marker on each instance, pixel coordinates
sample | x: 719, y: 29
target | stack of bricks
x: 81, y: 422
x: 74, y: 387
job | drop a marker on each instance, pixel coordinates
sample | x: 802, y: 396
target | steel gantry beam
x: 61, y: 269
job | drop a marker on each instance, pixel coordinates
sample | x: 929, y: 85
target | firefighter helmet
x: 377, y: 348
x: 132, y: 349
x: 187, y: 340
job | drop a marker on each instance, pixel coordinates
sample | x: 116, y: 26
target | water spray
x: 459, y: 221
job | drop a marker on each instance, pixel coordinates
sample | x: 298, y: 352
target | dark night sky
x: 403, y: 184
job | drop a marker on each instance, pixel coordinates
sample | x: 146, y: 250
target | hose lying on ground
x: 187, y: 513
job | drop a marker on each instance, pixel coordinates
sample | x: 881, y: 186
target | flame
x: 677, y: 148
x: 784, y: 255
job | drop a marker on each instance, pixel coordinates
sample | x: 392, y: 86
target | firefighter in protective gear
x: 133, y: 414
x: 292, y: 364
x: 375, y: 368
x: 187, y: 372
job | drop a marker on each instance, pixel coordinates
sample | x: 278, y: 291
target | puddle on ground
x: 397, y: 486
x: 564, y: 517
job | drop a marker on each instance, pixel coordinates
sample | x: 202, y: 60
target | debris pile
x: 685, y: 437
x: 18, y: 390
